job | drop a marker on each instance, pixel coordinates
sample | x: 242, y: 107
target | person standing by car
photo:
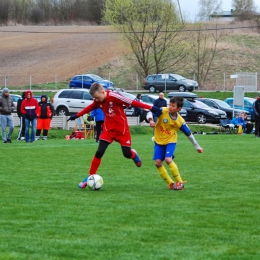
x: 256, y: 107
x: 138, y: 111
x: 45, y: 113
x: 6, y: 109
x: 29, y: 108
x: 21, y: 132
x: 159, y: 102
x: 98, y: 116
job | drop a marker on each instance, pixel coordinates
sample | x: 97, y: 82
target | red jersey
x: 113, y: 107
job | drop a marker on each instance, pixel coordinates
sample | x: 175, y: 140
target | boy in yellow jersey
x: 169, y: 122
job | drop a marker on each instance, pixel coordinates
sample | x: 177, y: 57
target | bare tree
x: 244, y: 9
x: 208, y: 7
x: 152, y: 30
x: 205, y: 48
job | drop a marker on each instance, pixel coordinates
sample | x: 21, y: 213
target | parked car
x: 130, y: 111
x: 187, y: 95
x: 86, y: 80
x: 248, y: 105
x: 222, y: 105
x: 201, y: 113
x: 71, y: 101
x: 151, y: 98
x: 166, y: 82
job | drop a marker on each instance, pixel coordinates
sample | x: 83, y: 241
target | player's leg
x: 125, y: 141
x: 131, y: 154
x: 95, y: 162
x: 159, y: 154
x: 169, y: 155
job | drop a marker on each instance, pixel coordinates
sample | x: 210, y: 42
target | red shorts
x: 123, y: 139
x: 43, y: 123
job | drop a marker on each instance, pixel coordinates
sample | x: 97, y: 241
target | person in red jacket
x: 29, y: 107
x: 115, y: 126
x: 44, y: 117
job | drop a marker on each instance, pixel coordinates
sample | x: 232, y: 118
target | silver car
x: 71, y: 101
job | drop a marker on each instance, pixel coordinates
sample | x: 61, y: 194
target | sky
x: 190, y: 8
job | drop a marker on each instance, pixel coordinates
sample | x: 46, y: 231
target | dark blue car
x: 86, y: 80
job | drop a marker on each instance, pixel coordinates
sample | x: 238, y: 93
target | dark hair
x: 178, y: 100
x: 139, y: 95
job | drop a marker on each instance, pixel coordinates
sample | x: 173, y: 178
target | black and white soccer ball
x: 95, y: 182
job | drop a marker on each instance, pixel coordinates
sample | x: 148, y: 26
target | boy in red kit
x: 29, y: 107
x: 115, y: 127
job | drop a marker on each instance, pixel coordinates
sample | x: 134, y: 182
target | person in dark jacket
x: 256, y: 107
x: 21, y: 132
x: 159, y: 102
x: 45, y: 113
x: 6, y: 109
x: 98, y: 116
x: 29, y: 108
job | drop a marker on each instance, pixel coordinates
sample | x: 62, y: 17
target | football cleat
x: 83, y: 184
x: 176, y: 186
x: 137, y: 160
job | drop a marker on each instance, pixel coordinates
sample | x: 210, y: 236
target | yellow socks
x: 164, y: 174
x: 175, y: 172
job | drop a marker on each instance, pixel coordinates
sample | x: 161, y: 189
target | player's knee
x: 168, y: 160
x: 99, y: 154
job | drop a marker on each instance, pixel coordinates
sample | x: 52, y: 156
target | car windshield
x: 222, y: 103
x: 178, y: 77
x: 96, y: 77
x: 199, y: 104
x: 128, y: 95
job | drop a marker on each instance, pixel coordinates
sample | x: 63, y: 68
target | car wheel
x: 182, y: 88
x: 62, y: 111
x: 152, y: 89
x: 201, y: 119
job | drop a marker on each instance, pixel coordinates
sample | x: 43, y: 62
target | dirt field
x: 49, y: 51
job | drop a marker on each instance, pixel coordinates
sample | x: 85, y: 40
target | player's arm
x: 185, y: 129
x: 84, y: 111
x: 157, y: 111
x: 139, y: 104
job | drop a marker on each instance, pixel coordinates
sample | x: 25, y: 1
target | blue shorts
x: 162, y: 151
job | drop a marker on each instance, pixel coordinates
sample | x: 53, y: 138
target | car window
x: 87, y: 79
x: 146, y: 99
x: 199, y: 104
x: 222, y: 103
x: 209, y: 103
x: 76, y: 95
x: 247, y: 105
x: 150, y: 78
x: 87, y: 96
x: 96, y: 77
x: 159, y: 78
x: 230, y: 102
x: 64, y: 94
x: 186, y: 103
x: 78, y: 78
x: 171, y: 78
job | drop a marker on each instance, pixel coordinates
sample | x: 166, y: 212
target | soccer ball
x: 95, y: 182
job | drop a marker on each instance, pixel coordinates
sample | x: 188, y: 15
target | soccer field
x: 44, y: 215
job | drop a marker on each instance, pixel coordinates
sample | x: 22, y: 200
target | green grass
x: 134, y: 216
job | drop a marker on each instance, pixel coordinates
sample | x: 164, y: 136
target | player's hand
x: 73, y: 117
x: 200, y: 150
x: 152, y: 123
